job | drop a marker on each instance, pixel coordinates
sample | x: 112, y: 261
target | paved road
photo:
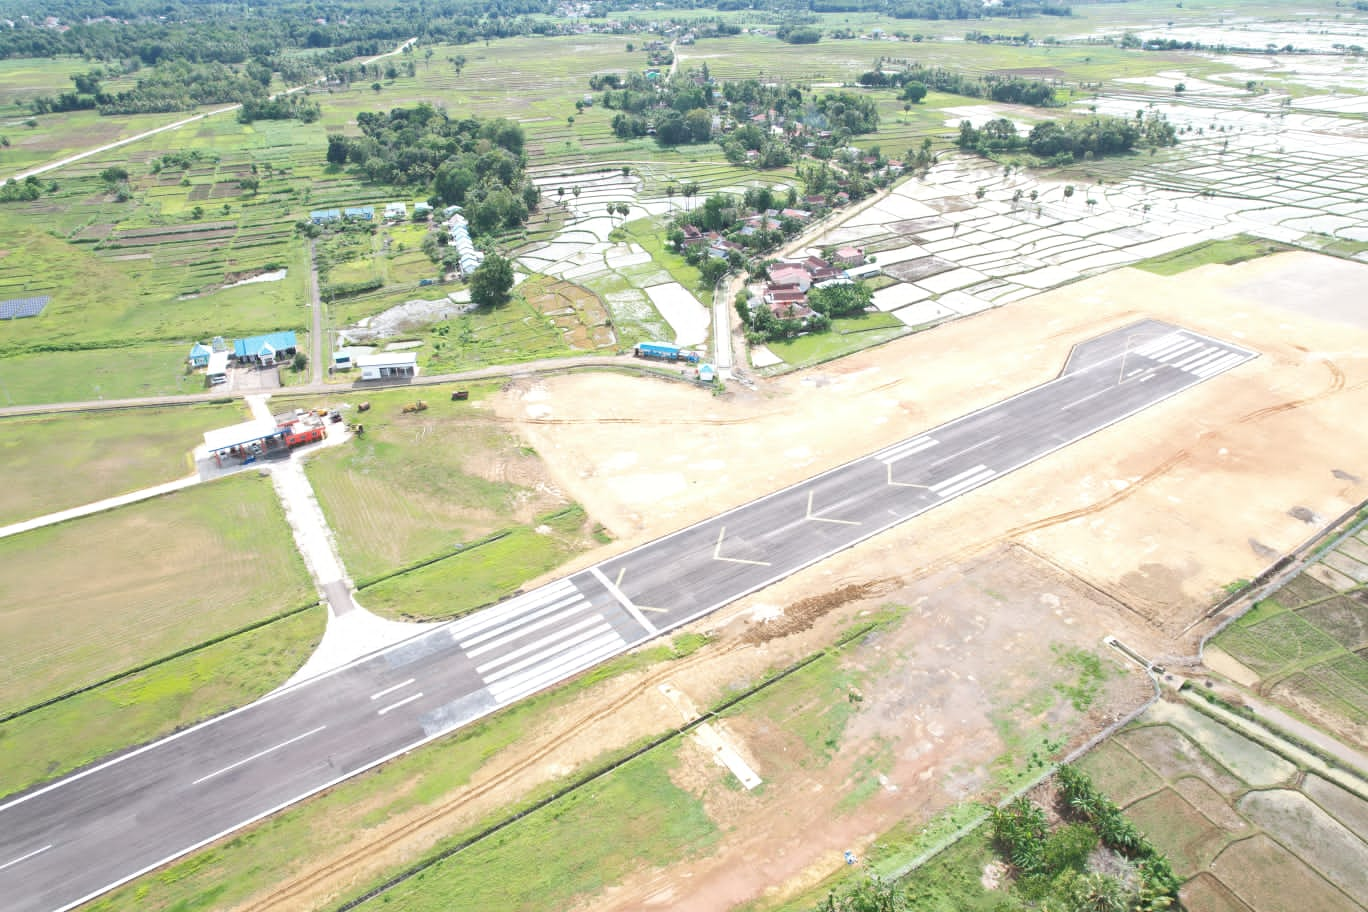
x: 70, y: 841
x: 520, y: 369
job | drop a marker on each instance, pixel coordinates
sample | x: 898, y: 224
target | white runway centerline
x: 10, y: 864
x: 394, y: 706
x: 258, y: 755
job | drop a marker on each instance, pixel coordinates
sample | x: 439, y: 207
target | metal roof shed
x: 224, y: 440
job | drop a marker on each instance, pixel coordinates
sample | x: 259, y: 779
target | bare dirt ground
x: 1132, y: 532
x: 1160, y: 511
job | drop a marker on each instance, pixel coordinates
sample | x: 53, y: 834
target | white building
x: 395, y: 212
x: 217, y: 369
x: 388, y: 366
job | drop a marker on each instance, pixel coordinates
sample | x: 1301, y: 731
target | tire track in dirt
x: 294, y: 894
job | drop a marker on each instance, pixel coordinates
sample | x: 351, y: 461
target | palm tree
x: 1099, y: 893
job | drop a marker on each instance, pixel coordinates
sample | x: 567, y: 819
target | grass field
x: 91, y: 597
x: 592, y: 838
x: 481, y: 575
x: 80, y: 376
x: 54, y: 462
x: 847, y: 335
x: 65, y: 736
x: 1227, y: 253
x: 420, y: 484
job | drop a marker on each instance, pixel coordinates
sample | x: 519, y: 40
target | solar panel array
x: 15, y: 308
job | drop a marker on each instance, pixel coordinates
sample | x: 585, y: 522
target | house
x: 801, y: 215
x: 199, y: 355
x: 363, y: 213
x: 847, y: 257
x: 791, y: 311
x: 265, y: 350
x: 325, y: 216
x: 790, y: 274
x: 395, y: 212
x: 421, y: 212
x: 388, y: 365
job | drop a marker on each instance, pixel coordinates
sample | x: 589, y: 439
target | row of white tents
x: 458, y: 232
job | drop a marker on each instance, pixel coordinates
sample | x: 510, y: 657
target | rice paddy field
x: 1245, y: 828
x: 1306, y: 646
x: 94, y: 596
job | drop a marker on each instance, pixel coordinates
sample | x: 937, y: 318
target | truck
x: 663, y: 351
x: 301, y: 434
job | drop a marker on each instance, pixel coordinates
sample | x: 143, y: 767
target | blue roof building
x: 360, y: 212
x: 199, y: 355
x: 323, y: 216
x: 267, y: 349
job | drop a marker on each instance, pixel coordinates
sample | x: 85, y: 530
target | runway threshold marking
x: 259, y: 754
x: 623, y: 600
x: 10, y: 864
x: 717, y: 553
x: 622, y: 571
x: 394, y: 706
x: 839, y: 522
x: 391, y: 689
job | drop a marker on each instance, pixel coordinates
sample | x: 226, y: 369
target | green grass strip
x: 137, y: 669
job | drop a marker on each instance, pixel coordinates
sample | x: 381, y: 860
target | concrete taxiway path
x: 66, y: 843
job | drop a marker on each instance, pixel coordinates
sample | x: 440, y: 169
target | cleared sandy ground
x: 1161, y: 511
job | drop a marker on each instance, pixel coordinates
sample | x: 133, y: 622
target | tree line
x: 1008, y: 89
x: 1063, y: 142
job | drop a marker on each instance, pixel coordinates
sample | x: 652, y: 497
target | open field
x: 53, y: 463
x: 422, y: 484
x: 91, y: 597
x: 57, y: 739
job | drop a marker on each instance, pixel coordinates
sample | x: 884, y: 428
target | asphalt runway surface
x: 66, y: 843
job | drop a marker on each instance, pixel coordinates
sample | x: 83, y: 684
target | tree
x: 300, y: 361
x: 841, y: 300
x: 876, y: 895
x: 713, y: 269
x: 491, y: 281
x: 914, y: 92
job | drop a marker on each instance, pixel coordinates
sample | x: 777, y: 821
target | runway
x: 65, y: 843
